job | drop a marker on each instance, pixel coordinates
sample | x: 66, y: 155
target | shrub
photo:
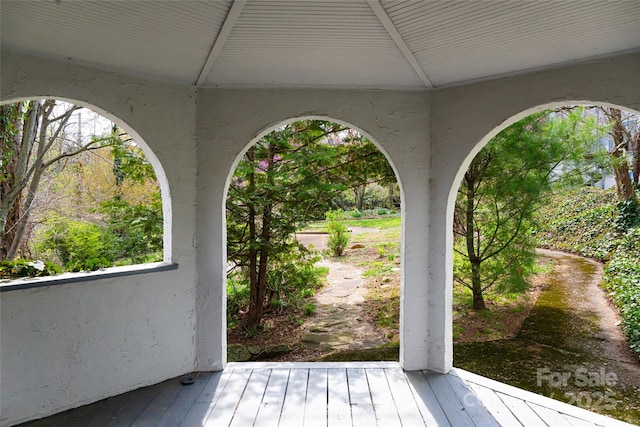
x: 292, y: 278
x: 309, y: 309
x: 138, y: 228
x: 338, y: 232
x: 238, y: 294
x: 80, y: 245
x: 26, y: 268
x: 622, y: 280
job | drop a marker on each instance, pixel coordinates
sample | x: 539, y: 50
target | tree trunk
x: 253, y: 315
x: 478, y: 298
x: 358, y: 193
x: 259, y: 271
x: 635, y: 148
x: 624, y: 185
x: 476, y: 280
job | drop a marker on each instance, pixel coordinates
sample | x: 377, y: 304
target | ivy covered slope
x: 590, y: 222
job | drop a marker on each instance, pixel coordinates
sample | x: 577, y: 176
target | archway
x: 601, y: 212
x: 331, y: 156
x: 102, y: 119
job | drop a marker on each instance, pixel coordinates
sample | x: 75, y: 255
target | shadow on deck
x: 328, y: 394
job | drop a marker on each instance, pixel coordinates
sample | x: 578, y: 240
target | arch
x: 161, y: 176
x: 457, y: 180
x: 270, y: 128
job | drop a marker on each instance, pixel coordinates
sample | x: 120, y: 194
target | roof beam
x: 227, y: 26
x: 388, y: 25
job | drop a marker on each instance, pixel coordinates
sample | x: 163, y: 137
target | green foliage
x: 238, y: 294
x: 338, y: 232
x: 309, y: 309
x: 500, y: 192
x: 129, y: 162
x: 80, y: 245
x: 292, y: 279
x: 628, y: 215
x: 622, y: 280
x: 137, y: 228
x: 289, y: 177
x: 586, y: 221
x: 27, y: 268
x: 355, y: 214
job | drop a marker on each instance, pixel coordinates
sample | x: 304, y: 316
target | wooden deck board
x: 157, y: 406
x: 315, y: 407
x: 338, y: 406
x: 452, y: 407
x: 184, y: 401
x: 501, y: 413
x: 251, y: 399
x: 338, y: 394
x: 295, y: 396
x: 362, y: 413
x: 432, y: 412
x: 522, y: 411
x: 406, y: 406
x: 222, y: 413
x: 207, y: 399
x: 472, y: 404
x: 383, y: 403
x: 271, y: 407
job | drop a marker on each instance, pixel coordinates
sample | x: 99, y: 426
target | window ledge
x: 65, y: 278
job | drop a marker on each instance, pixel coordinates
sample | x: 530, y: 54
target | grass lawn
x: 382, y: 222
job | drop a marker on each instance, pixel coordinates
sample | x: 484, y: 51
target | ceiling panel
x: 311, y: 44
x: 320, y: 43
x: 462, y: 40
x: 169, y: 40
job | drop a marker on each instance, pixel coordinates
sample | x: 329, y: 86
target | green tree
x: 289, y: 177
x: 502, y: 189
x: 33, y: 137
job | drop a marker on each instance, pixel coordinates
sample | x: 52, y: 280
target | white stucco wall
x: 230, y: 120
x: 62, y: 346
x: 465, y: 118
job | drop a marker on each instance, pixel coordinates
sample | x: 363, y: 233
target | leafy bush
x: 80, y: 245
x: 628, y: 215
x: 355, y: 213
x: 309, y: 309
x: 338, y: 232
x: 382, y: 211
x: 238, y: 294
x: 26, y: 268
x: 622, y: 280
x: 291, y: 280
x: 137, y: 227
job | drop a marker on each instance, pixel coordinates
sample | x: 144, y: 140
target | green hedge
x: 622, y: 280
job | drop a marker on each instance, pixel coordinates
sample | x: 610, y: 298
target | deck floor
x: 328, y: 394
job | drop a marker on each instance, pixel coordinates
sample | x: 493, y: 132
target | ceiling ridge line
x: 391, y: 29
x: 230, y: 21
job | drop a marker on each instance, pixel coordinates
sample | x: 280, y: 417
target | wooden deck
x: 328, y: 394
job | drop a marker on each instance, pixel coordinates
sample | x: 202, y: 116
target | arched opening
x: 327, y: 168
x: 555, y: 331
x: 114, y: 191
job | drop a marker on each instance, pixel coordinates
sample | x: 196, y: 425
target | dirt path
x: 586, y: 300
x: 570, y: 347
x: 337, y: 323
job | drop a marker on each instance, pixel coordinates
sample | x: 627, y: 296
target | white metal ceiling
x: 329, y: 43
